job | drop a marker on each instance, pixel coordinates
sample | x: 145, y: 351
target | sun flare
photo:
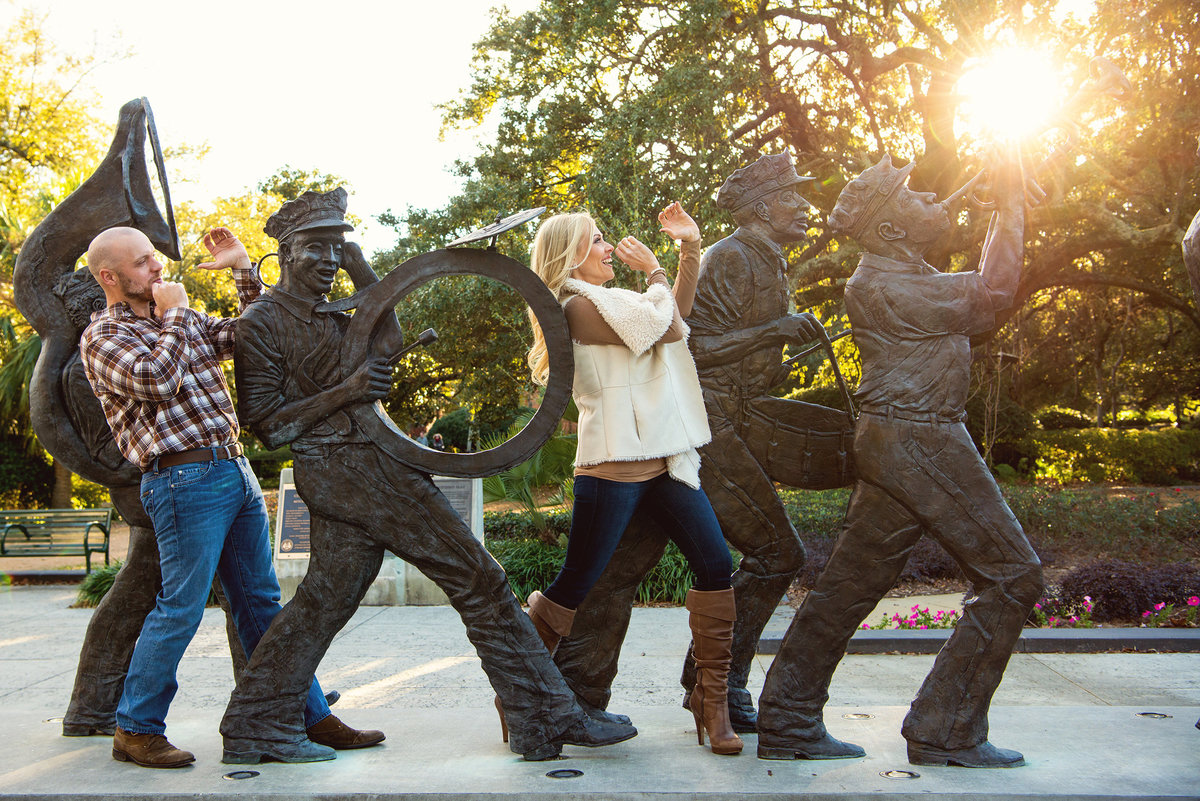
x: 1010, y: 94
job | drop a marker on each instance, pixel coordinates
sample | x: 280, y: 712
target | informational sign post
x: 398, y: 582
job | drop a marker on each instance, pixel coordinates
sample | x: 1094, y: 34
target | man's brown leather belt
x: 199, y: 455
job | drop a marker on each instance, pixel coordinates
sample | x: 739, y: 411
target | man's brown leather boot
x: 148, y: 750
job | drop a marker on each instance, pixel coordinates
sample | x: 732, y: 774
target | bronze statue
x: 310, y: 375
x: 918, y: 471
x: 739, y: 325
x: 58, y: 300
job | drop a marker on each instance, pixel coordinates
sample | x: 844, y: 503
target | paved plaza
x: 411, y: 672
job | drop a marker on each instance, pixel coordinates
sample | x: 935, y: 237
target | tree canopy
x: 620, y: 106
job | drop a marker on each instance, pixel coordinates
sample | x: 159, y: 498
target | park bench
x: 56, y: 532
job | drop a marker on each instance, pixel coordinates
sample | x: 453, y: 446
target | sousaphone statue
x: 58, y: 301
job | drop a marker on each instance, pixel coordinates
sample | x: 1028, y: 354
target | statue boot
x: 711, y: 620
x: 553, y: 622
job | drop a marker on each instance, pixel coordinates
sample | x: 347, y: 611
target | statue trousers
x: 362, y: 502
x: 914, y: 476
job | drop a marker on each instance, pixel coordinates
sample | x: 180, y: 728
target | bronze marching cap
x: 310, y: 210
x: 865, y: 195
x: 754, y: 182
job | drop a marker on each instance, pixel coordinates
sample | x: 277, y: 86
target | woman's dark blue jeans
x: 604, y: 508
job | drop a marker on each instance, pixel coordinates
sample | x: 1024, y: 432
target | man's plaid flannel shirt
x: 160, y: 381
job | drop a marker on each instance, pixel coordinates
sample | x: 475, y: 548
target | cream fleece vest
x: 642, y: 401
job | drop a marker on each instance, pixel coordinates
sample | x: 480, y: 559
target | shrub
x: 1106, y: 454
x: 1013, y: 426
x: 1061, y: 418
x: 268, y: 464
x: 532, y: 565
x: 88, y: 495
x: 519, y: 525
x: 1092, y: 522
x: 26, y: 481
x: 454, y: 427
x: 1123, y: 590
x: 830, y: 396
x: 96, y: 585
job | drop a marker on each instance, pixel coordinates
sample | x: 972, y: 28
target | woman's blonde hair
x: 556, y: 251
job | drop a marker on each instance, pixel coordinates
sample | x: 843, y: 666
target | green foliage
x: 478, y: 361
x: 1060, y: 418
x: 1010, y: 428
x: 96, y: 585
x: 1105, y: 454
x: 26, y: 479
x: 513, y: 525
x: 532, y: 565
x: 1085, y: 522
x: 19, y: 349
x: 455, y: 429
x: 551, y: 465
x: 88, y: 495
x: 1132, y: 524
x: 619, y: 106
x: 816, y: 515
x: 669, y: 580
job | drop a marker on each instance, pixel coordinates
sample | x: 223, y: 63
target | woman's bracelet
x: 659, y: 269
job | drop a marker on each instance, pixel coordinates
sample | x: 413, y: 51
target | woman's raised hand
x: 636, y: 255
x: 678, y: 224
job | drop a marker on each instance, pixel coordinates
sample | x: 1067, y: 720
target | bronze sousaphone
x: 119, y: 193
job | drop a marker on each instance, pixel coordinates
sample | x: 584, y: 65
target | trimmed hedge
x: 1108, y: 454
x: 1063, y: 418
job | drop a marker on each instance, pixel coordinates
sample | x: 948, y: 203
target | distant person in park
x: 417, y: 434
x: 918, y: 471
x: 294, y: 388
x: 154, y: 364
x: 641, y: 421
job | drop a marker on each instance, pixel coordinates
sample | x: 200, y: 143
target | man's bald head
x: 123, y: 263
x: 113, y: 248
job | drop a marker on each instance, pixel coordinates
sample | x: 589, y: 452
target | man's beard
x: 134, y: 292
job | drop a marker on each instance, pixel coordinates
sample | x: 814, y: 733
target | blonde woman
x: 641, y: 419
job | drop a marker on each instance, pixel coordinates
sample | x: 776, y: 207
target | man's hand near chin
x: 168, y: 295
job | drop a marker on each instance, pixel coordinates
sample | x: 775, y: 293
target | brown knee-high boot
x: 711, y: 619
x: 553, y: 622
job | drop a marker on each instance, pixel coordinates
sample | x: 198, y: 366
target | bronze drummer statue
x: 918, y: 471
x: 307, y: 376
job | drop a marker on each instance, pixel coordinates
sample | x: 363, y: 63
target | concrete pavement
x: 411, y: 672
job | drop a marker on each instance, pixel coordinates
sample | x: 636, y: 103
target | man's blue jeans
x: 209, y: 518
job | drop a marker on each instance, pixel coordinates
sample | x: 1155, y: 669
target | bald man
x: 154, y: 364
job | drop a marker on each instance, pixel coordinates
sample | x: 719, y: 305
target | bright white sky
x: 345, y: 87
